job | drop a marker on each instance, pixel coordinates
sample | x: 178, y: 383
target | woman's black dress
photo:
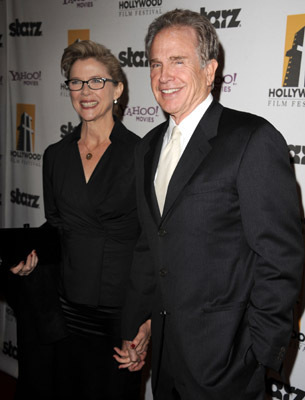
x: 98, y: 227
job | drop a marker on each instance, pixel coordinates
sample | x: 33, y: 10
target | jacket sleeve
x: 51, y: 211
x: 271, y: 220
x: 141, y: 287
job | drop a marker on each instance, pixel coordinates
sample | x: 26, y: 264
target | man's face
x: 177, y: 79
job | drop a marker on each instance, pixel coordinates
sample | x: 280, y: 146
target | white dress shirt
x: 187, y: 126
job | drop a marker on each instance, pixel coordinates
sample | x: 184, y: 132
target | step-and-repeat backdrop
x: 262, y: 71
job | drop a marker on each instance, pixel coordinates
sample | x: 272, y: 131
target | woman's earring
x: 115, y: 101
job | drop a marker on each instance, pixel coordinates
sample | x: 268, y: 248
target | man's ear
x: 210, y: 69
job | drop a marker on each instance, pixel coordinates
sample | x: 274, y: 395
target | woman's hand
x: 128, y: 357
x: 133, y: 353
x: 25, y: 268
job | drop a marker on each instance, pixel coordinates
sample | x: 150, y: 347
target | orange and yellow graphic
x: 294, y: 54
x: 78, y: 34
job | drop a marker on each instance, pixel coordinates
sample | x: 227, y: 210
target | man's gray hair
x: 208, y: 44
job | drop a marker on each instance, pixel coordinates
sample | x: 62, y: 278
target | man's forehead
x: 182, y: 32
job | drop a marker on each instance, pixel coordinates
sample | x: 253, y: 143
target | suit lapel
x: 196, y: 151
x: 151, y: 159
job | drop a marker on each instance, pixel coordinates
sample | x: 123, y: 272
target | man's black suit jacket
x: 225, y: 259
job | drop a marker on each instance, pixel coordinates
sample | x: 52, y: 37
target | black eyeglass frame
x: 83, y: 82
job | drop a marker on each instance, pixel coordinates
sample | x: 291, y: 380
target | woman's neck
x: 95, y: 132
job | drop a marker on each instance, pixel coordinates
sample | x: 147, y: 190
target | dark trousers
x: 175, y: 382
x: 75, y: 368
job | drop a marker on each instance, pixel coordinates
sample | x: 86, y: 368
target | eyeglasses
x: 94, y: 83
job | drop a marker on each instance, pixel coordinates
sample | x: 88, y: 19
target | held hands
x: 25, y: 268
x: 133, y: 353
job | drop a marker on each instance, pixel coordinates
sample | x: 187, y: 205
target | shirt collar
x: 189, y: 123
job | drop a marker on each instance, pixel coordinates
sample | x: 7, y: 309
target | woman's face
x: 93, y: 105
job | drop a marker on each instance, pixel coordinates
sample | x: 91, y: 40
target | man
x: 219, y: 263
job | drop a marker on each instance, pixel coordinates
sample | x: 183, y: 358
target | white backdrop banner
x: 262, y: 71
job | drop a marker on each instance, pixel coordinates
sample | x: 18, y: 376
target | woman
x: 89, y: 195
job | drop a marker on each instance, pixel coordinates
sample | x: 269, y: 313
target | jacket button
x: 163, y: 313
x: 162, y: 232
x: 163, y: 272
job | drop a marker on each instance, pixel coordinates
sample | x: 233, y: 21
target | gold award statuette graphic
x: 25, y: 128
x: 78, y: 34
x: 294, y: 56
